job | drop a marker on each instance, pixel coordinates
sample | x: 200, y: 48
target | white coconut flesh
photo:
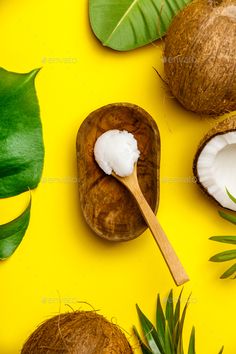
x: 216, y: 168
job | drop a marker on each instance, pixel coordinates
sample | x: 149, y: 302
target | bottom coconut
x: 80, y: 332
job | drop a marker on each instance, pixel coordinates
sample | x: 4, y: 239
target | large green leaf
x: 129, y: 24
x: 21, y: 143
x: 12, y: 233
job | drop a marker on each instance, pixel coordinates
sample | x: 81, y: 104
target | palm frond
x: 228, y: 255
x: 167, y: 337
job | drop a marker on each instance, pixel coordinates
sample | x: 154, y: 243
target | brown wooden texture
x: 108, y: 207
x: 176, y: 269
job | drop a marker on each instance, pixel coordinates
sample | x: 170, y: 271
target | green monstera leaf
x: 128, y: 24
x: 21, y: 143
x: 12, y: 233
x: 21, y: 149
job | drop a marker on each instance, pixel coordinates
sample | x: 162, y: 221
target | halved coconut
x: 215, y: 162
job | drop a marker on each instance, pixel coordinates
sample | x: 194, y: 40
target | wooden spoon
x: 177, y: 271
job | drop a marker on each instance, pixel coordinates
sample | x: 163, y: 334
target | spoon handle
x: 176, y: 268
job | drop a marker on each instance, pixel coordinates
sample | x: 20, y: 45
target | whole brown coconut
x: 81, y: 332
x: 200, y: 56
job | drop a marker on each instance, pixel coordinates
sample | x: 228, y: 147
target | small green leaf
x: 224, y: 239
x: 177, y: 309
x: 181, y: 326
x: 21, y: 143
x: 224, y: 256
x: 160, y: 321
x: 229, y: 272
x: 170, y: 311
x: 176, y: 336
x: 12, y: 233
x: 180, y: 349
x: 228, y: 217
x: 168, y: 340
x: 129, y: 24
x: 231, y: 196
x: 144, y: 348
x: 221, y: 351
x: 191, y: 348
x: 176, y: 321
x: 150, y: 333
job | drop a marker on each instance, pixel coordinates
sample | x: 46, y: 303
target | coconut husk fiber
x: 200, y: 57
x: 80, y: 332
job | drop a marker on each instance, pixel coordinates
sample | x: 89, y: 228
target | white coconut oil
x: 117, y: 151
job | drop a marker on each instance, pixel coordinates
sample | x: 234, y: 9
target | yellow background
x: 60, y: 261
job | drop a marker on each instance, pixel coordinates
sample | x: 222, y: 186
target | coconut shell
x: 108, y: 207
x: 223, y: 127
x: 200, y: 56
x: 82, y: 332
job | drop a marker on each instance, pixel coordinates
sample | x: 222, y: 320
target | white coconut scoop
x: 116, y: 152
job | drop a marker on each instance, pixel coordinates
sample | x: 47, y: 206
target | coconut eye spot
x: 217, y: 168
x: 117, y: 151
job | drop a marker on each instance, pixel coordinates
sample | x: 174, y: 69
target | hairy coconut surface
x: 214, y: 164
x: 200, y: 56
x: 81, y: 332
